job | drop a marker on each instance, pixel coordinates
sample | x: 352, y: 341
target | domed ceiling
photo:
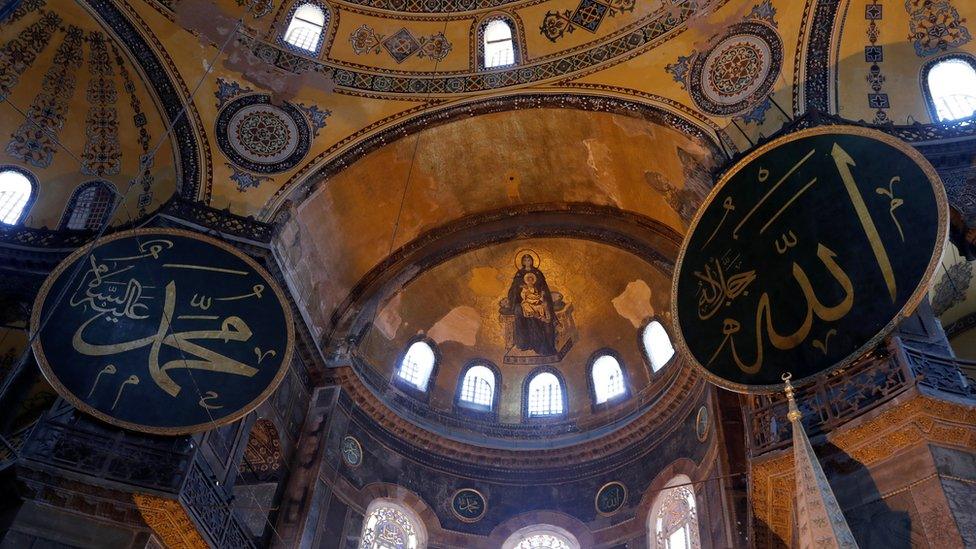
x: 76, y: 108
x: 602, y: 298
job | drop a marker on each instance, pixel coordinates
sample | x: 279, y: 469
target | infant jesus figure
x: 533, y: 304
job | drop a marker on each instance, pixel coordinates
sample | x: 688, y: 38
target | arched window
x: 951, y: 86
x: 608, y: 378
x: 305, y: 27
x: 16, y: 192
x: 389, y: 525
x: 673, y: 522
x: 89, y: 207
x: 417, y: 365
x: 657, y: 345
x: 498, y: 43
x: 541, y: 536
x: 478, y: 388
x: 545, y: 395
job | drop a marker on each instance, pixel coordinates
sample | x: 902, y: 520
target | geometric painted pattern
x: 874, y: 55
x: 103, y: 153
x: 400, y: 45
x: 262, y: 137
x: 617, y: 47
x: 144, y: 177
x: 588, y: 15
x: 935, y: 26
x: 19, y: 54
x: 738, y: 72
x: 34, y: 141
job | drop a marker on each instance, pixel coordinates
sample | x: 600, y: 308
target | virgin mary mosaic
x: 537, y: 321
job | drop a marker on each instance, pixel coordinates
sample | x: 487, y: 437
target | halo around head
x: 536, y: 262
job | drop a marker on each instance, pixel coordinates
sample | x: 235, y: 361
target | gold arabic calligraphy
x: 114, y: 294
x: 719, y: 287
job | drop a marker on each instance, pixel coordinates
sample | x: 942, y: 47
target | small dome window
x: 541, y: 536
x: 389, y: 525
x: 16, y: 192
x: 545, y: 395
x: 305, y: 28
x: 951, y: 85
x: 673, y: 521
x: 417, y: 365
x: 478, y: 387
x: 89, y: 206
x: 498, y: 44
x: 657, y: 345
x: 608, y: 379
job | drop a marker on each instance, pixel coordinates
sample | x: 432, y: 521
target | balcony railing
x: 170, y: 467
x: 874, y: 380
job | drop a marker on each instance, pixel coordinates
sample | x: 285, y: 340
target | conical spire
x: 819, y: 520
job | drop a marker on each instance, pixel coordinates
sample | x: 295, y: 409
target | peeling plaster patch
x: 488, y: 282
x: 461, y: 324
x: 634, y: 303
x: 599, y: 158
x: 389, y: 320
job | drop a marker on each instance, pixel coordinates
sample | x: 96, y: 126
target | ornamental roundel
x: 352, y: 451
x: 610, y: 498
x: 468, y: 505
x: 739, y: 71
x: 260, y: 136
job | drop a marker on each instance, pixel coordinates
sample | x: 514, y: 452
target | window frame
x: 526, y: 416
x: 478, y: 51
x: 326, y: 28
x: 31, y: 199
x: 591, y: 383
x: 405, y: 386
x: 927, y: 91
x: 419, y: 527
x: 646, y: 355
x: 466, y: 408
x: 73, y: 202
x: 542, y: 528
x: 650, y: 523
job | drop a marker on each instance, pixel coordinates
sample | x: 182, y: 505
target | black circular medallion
x: 468, y: 505
x: 162, y: 331
x: 352, y: 451
x: 807, y: 253
x: 611, y: 497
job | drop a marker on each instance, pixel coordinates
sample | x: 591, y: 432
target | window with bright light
x: 545, y: 396
x: 541, y: 536
x: 305, y: 28
x: 389, y: 525
x: 657, y: 345
x: 673, y: 522
x: 608, y: 378
x: 89, y: 206
x: 15, y: 195
x: 952, y: 88
x: 498, y: 42
x: 478, y: 387
x: 417, y: 365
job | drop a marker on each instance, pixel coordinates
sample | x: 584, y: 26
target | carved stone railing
x: 171, y: 467
x: 213, y: 219
x: 945, y: 374
x: 826, y: 403
x: 194, y: 213
x: 872, y: 381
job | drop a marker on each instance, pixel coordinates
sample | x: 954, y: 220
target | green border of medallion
x: 596, y: 498
x: 358, y: 447
x: 484, y: 510
x: 189, y: 429
x: 920, y: 292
